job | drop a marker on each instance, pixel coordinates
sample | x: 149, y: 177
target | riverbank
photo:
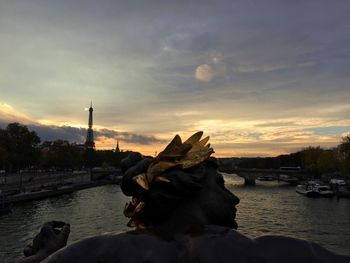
x: 57, y: 190
x: 28, y: 187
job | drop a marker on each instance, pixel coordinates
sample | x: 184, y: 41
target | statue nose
x: 236, y: 199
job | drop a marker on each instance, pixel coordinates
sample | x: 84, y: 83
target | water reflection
x: 90, y: 212
x: 270, y: 208
x: 267, y: 208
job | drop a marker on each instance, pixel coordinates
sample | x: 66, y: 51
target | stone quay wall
x: 28, y: 181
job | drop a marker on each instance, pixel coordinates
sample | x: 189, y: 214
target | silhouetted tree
x: 344, y: 153
x: 3, y: 151
x: 310, y: 159
x: 327, y: 161
x: 18, y: 147
x: 62, y: 155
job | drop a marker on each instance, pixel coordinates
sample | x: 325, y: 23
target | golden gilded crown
x: 179, y: 154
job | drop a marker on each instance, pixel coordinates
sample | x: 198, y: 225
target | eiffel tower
x: 89, y: 143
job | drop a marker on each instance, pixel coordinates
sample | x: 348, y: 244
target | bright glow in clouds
x: 8, y: 113
x: 229, y: 138
x: 204, y: 73
x: 260, y: 78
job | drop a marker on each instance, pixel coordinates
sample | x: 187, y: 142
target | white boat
x: 288, y: 179
x: 338, y: 182
x: 307, y: 190
x: 312, y: 189
x: 266, y: 178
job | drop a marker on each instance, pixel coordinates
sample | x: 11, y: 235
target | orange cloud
x: 9, y: 114
x: 228, y: 137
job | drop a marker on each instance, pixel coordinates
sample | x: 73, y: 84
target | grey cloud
x: 128, y: 137
x: 51, y: 133
x: 73, y: 134
x: 138, y: 58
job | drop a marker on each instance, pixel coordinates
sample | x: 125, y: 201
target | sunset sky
x: 261, y: 78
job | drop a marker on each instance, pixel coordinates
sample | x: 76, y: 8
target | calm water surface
x: 267, y: 208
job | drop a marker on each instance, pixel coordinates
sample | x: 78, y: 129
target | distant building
x: 117, y: 149
x: 89, y: 143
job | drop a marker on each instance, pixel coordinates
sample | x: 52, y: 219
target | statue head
x: 182, y: 181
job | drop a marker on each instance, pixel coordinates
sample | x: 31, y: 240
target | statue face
x: 216, y: 201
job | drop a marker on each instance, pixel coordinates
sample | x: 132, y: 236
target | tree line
x: 316, y: 160
x: 21, y: 149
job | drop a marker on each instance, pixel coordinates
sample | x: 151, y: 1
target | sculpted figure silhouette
x: 181, y: 212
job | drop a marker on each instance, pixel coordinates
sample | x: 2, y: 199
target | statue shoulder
x: 287, y: 249
x: 222, y: 244
x: 125, y: 247
x: 214, y: 244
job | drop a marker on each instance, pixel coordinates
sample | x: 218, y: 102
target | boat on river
x: 313, y: 189
x: 288, y: 179
x: 266, y: 178
x: 307, y: 190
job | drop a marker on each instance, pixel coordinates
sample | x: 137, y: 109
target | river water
x: 267, y: 208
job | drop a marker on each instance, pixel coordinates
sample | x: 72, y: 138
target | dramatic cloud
x: 127, y: 137
x: 242, y: 71
x: 51, y: 133
x: 73, y: 134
